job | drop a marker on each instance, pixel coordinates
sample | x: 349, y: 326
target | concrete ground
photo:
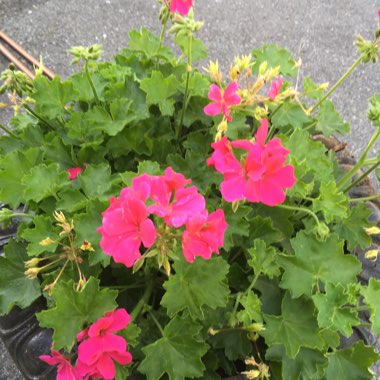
x: 325, y: 30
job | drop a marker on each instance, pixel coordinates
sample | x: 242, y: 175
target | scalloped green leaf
x: 160, y: 90
x: 371, y: 294
x: 296, y: 327
x: 44, y: 181
x: 252, y: 309
x: 334, y: 311
x: 329, y: 121
x: 96, y: 181
x: 198, y: 49
x: 193, y: 288
x: 15, y: 287
x: 314, y: 261
x: 74, y: 310
x: 351, y: 363
x: 178, y: 353
x: 264, y: 259
x: 52, y: 96
x: 292, y: 115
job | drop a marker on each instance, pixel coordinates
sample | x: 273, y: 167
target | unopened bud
x: 46, y: 242
x: 252, y: 374
x: 371, y: 254
x: 212, y: 331
x: 59, y: 216
x: 263, y: 67
x: 32, y: 263
x: 373, y: 230
x: 323, y: 86
x: 234, y: 73
x: 32, y: 273
x: 256, y: 327
x: 86, y: 246
x: 81, y: 284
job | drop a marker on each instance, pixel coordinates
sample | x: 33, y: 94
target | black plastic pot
x: 26, y: 341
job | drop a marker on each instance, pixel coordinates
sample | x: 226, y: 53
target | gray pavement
x: 324, y: 28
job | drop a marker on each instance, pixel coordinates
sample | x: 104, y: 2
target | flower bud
x: 86, y: 246
x: 32, y: 262
x: 372, y: 254
x: 32, y: 273
x: 373, y: 230
x: 46, y: 242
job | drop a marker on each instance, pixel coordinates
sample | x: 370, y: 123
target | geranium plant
x: 184, y: 226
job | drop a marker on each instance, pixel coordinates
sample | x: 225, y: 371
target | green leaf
x: 352, y: 228
x: 43, y: 228
x: 71, y: 200
x: 292, y: 115
x: 56, y: 151
x: 52, y: 96
x: 334, y: 311
x: 311, y: 89
x: 160, y: 91
x: 329, y: 121
x: 252, y: 309
x: 274, y: 56
x: 316, y: 261
x: 351, y: 363
x: 96, y: 181
x: 131, y: 334
x: 13, y: 167
x: 332, y: 204
x: 307, y: 365
x: 235, y: 343
x: 149, y: 167
x: 83, y: 88
x: 371, y: 294
x: 237, y: 224
x: 44, y: 181
x: 80, y: 129
x: 198, y: 49
x: 262, y: 228
x: 374, y: 110
x: 198, y: 84
x: 73, y: 310
x: 147, y: 43
x: 264, y: 259
x: 296, y: 327
x: 178, y: 353
x: 185, y: 290
x: 120, y: 115
x: 86, y: 225
x: 15, y: 287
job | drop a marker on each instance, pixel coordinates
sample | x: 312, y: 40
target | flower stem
x: 157, y: 323
x: 340, y: 81
x: 301, y: 209
x: 143, y: 301
x: 364, y: 199
x: 163, y: 30
x: 22, y: 214
x: 186, y: 96
x: 5, y: 129
x: 232, y: 317
x: 364, y: 175
x: 342, y: 182
x: 91, y: 83
x: 42, y: 120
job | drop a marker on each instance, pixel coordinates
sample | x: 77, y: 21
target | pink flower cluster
x: 126, y: 223
x: 98, y: 349
x: 222, y: 100
x: 180, y: 6
x: 275, y: 88
x: 261, y: 176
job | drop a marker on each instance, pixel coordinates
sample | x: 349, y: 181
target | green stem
x: 370, y: 161
x: 271, y: 127
x: 301, y: 209
x: 342, y: 182
x: 5, y: 129
x: 237, y: 301
x: 253, y: 282
x: 163, y: 30
x: 186, y: 96
x: 22, y: 214
x: 157, y: 323
x: 364, y: 199
x: 143, y: 301
x: 337, y: 84
x: 89, y: 78
x: 364, y: 175
x: 42, y: 120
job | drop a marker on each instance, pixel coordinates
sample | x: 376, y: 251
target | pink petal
x: 232, y: 189
x: 122, y: 358
x: 106, y: 367
x: 213, y: 109
x: 284, y: 177
x: 74, y: 172
x: 262, y: 132
x: 181, y: 6
x: 215, y: 93
x: 271, y: 194
x: 120, y: 320
x: 230, y: 90
x: 148, y: 233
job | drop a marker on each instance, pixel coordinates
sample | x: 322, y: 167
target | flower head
x: 222, y: 100
x: 125, y: 226
x: 73, y: 172
x: 65, y: 370
x: 101, y: 347
x: 261, y: 176
x: 275, y: 88
x: 204, y: 235
x: 181, y: 6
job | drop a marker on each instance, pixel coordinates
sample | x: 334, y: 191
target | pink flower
x: 73, y: 172
x: 262, y: 176
x: 275, y: 88
x: 96, y: 354
x: 181, y: 6
x: 222, y: 100
x: 204, y: 235
x: 65, y: 370
x: 125, y: 226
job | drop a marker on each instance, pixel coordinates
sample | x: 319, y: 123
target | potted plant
x: 177, y: 225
